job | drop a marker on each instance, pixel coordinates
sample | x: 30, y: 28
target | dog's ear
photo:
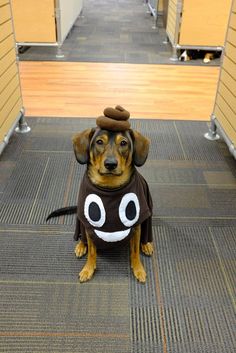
x: 141, y: 148
x: 81, y: 143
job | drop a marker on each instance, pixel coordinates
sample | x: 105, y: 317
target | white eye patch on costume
x: 128, y: 211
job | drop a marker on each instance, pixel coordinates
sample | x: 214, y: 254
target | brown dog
x: 111, y: 157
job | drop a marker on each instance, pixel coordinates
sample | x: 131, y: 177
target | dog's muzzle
x: 110, y: 163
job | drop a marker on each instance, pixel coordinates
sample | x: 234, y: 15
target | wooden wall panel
x: 228, y: 80
x: 4, y: 2
x: 11, y: 118
x: 10, y: 91
x: 225, y: 106
x: 7, y: 76
x: 229, y: 66
x: 6, y: 45
x: 234, y: 6
x: 230, y: 51
x: 6, y: 30
x: 225, y: 123
x: 171, y: 20
x: 232, y: 36
x: 39, y: 16
x: 5, y: 13
x: 7, y: 61
x: 232, y: 22
x: 227, y: 95
x: 204, y: 23
x: 9, y: 104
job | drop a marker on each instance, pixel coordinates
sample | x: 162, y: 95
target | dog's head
x: 110, y: 154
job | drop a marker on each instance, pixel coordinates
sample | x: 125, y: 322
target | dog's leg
x: 90, y: 266
x: 80, y: 249
x: 136, y: 264
x: 147, y: 248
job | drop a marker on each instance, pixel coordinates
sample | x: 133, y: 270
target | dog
x: 206, y: 56
x: 115, y: 204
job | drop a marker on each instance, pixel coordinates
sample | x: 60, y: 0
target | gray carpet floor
x: 113, y: 31
x: 188, y: 302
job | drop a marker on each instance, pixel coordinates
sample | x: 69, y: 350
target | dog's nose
x: 110, y: 163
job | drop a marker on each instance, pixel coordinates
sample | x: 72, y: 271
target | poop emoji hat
x: 114, y: 119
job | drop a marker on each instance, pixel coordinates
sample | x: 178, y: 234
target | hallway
x: 114, y: 56
x: 115, y: 31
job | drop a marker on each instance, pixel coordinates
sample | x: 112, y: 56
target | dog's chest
x: 109, y: 216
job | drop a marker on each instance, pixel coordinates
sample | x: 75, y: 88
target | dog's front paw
x: 87, y: 273
x: 147, y: 249
x: 80, y: 249
x: 139, y: 272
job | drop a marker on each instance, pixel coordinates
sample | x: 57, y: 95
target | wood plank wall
x: 172, y: 20
x: 34, y: 21
x: 10, y: 91
x: 204, y: 23
x: 225, y: 106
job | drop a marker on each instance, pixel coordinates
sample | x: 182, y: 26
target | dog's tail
x: 62, y: 211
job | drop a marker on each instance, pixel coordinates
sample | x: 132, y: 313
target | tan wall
x: 38, y: 16
x: 10, y: 92
x: 203, y: 23
x: 225, y: 107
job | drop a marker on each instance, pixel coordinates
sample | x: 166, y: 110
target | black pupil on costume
x: 94, y: 212
x: 130, y: 211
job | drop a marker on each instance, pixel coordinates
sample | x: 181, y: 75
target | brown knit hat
x: 114, y: 119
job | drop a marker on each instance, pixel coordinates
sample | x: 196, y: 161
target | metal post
x: 22, y: 127
x: 174, y: 56
x: 59, y: 54
x: 166, y: 41
x: 212, y: 135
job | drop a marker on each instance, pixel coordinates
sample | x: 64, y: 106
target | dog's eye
x: 123, y: 143
x: 129, y: 209
x: 99, y: 142
x: 94, y: 210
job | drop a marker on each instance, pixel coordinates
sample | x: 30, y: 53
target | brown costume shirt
x: 110, y: 215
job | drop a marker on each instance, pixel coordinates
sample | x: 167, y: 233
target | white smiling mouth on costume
x: 112, y: 236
